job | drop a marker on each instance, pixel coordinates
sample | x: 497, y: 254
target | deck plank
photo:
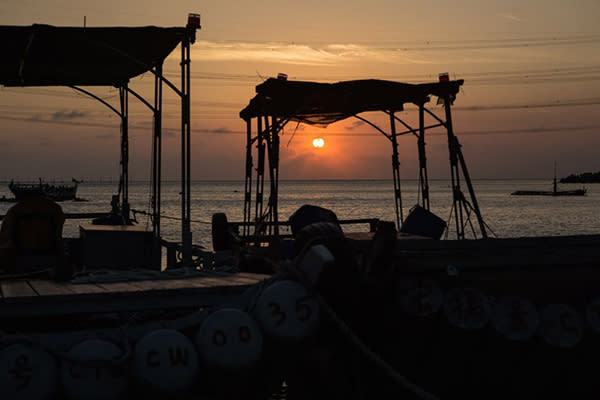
x: 17, y: 288
x: 86, y: 288
x: 51, y: 288
x: 38, y: 297
x: 119, y: 287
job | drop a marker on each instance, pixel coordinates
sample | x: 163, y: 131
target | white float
x: 515, y: 318
x: 286, y: 311
x: 467, y: 308
x: 82, y: 381
x: 561, y: 325
x: 229, y: 339
x: 419, y: 297
x: 27, y: 373
x: 165, y: 360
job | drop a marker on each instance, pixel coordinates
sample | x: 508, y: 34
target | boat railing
x: 286, y: 234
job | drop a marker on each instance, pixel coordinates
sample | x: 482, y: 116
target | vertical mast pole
x: 396, y: 172
x: 260, y: 175
x: 248, y: 180
x: 157, y: 153
x: 269, y: 143
x: 186, y: 234
x: 454, y: 149
x: 423, y: 178
x: 124, y: 179
x: 275, y: 175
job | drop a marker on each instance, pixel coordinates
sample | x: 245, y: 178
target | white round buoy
x: 83, y: 381
x: 166, y: 360
x: 229, y: 339
x: 561, y: 325
x: 27, y: 373
x: 467, y: 308
x: 592, y: 314
x: 419, y: 297
x: 515, y: 318
x: 286, y: 311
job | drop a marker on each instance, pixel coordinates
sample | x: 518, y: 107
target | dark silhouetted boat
x: 554, y: 192
x: 59, y: 192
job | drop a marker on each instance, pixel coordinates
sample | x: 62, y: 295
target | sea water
x: 506, y: 215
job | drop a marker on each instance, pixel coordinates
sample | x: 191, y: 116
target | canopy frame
x: 265, y: 142
x: 185, y: 37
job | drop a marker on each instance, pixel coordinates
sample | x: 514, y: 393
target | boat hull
x: 578, y: 192
x: 53, y: 192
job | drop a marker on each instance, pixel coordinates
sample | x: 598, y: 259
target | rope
x: 373, y: 357
x: 169, y: 217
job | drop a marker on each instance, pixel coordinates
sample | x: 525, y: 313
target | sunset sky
x: 531, y: 94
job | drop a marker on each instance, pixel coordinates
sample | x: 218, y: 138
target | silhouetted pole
x: 260, y: 175
x: 423, y: 179
x: 248, y: 179
x: 124, y: 179
x: 157, y: 152
x: 396, y: 172
x: 186, y: 234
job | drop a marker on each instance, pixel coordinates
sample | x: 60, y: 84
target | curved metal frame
x: 269, y: 139
x: 184, y: 94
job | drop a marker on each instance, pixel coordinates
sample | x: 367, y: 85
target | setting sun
x: 318, y: 143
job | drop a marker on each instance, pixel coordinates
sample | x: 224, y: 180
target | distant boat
x: 54, y: 192
x: 554, y: 192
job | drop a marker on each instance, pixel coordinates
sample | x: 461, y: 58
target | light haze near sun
x: 531, y: 71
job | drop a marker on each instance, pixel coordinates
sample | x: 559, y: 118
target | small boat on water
x: 554, y: 192
x: 576, y: 192
x: 56, y: 192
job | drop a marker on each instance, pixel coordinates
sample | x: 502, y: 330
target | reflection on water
x: 508, y: 216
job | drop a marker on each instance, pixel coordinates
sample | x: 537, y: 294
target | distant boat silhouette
x: 554, y: 192
x: 60, y: 192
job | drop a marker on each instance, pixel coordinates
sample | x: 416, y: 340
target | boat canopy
x: 324, y: 103
x: 45, y: 55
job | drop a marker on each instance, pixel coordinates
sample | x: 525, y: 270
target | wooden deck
x: 39, y: 297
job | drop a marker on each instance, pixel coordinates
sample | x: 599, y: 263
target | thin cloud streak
x: 300, y: 54
x: 510, y: 17
x: 67, y: 115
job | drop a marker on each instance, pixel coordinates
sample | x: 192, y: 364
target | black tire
x: 221, y: 238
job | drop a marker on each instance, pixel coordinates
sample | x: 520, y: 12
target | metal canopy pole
x: 248, y: 180
x: 454, y: 149
x: 423, y: 179
x: 274, y: 175
x: 157, y: 152
x: 260, y: 176
x: 186, y: 234
x: 475, y: 205
x: 454, y: 144
x: 396, y: 172
x: 269, y: 212
x: 124, y: 178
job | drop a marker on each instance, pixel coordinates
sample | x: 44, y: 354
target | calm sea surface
x: 507, y: 216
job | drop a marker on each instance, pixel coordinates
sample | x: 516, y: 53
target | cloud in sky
x: 220, y: 129
x: 67, y: 115
x: 509, y: 17
x: 301, y: 54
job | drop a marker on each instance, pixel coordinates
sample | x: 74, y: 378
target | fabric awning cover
x: 325, y: 103
x: 44, y: 55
